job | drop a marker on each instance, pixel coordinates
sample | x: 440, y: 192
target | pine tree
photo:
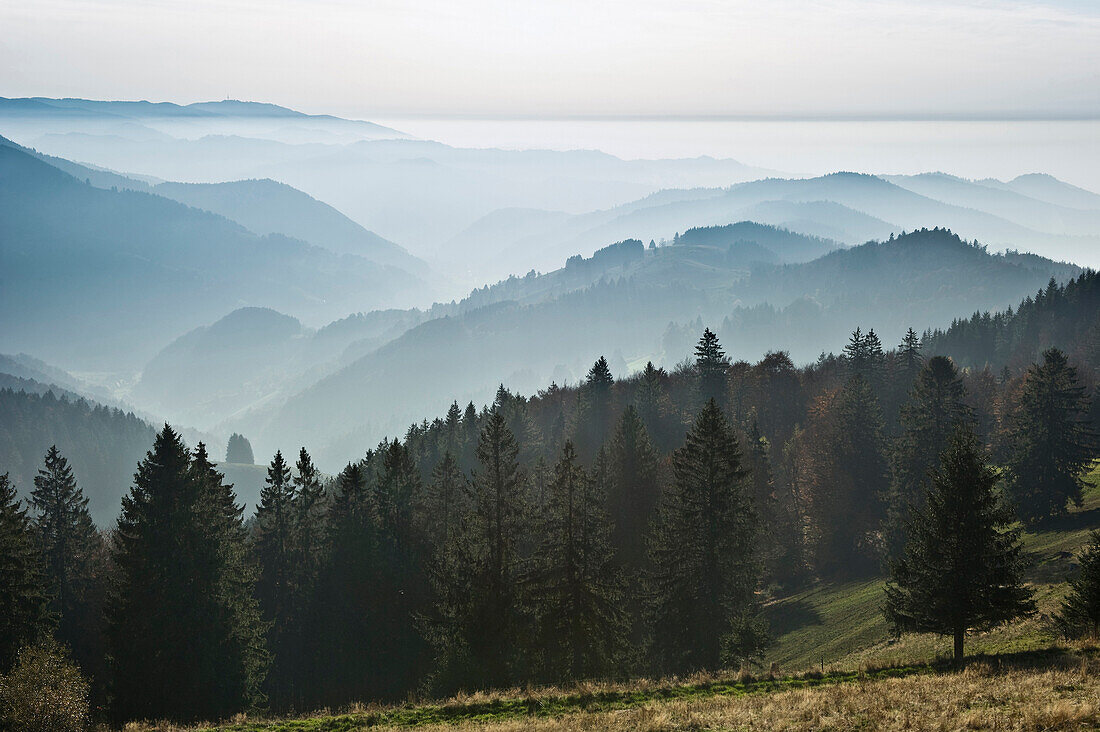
x: 593, y: 422
x: 73, y: 560
x: 1080, y: 613
x: 446, y: 501
x: 910, y: 353
x: 307, y: 549
x: 275, y: 558
x: 573, y: 587
x: 934, y: 410
x: 475, y: 578
x: 184, y: 630
x: 654, y: 406
x: 962, y: 569
x: 402, y: 578
x: 23, y: 613
x: 705, y: 574
x: 711, y: 366
x: 632, y: 487
x: 239, y: 657
x: 239, y: 450
x: 848, y: 524
x: 348, y: 595
x: 1052, y: 441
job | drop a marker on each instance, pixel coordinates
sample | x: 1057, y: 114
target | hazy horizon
x: 974, y: 58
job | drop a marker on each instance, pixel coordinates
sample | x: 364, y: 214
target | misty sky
x: 566, y: 57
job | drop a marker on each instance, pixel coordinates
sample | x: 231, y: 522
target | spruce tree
x: 849, y: 523
x: 446, y: 500
x: 935, y: 408
x: 632, y: 486
x: 239, y: 450
x: 477, y: 622
x: 705, y: 574
x: 711, y: 365
x: 1052, y: 441
x: 1080, y: 613
x: 654, y: 406
x: 575, y: 592
x: 73, y: 561
x: 23, y: 613
x: 402, y: 578
x: 348, y: 596
x: 962, y: 568
x: 593, y: 421
x: 275, y: 586
x: 910, y: 354
x: 307, y: 550
x: 184, y: 629
x: 236, y: 631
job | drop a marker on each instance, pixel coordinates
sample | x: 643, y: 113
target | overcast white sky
x: 566, y: 57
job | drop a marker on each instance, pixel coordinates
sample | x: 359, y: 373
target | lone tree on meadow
x: 961, y: 569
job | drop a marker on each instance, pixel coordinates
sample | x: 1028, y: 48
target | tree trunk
x: 959, y: 659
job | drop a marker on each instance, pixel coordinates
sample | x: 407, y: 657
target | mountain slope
x: 842, y: 206
x: 920, y: 280
x: 104, y: 278
x: 268, y: 207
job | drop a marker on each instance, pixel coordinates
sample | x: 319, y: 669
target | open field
x: 1057, y: 688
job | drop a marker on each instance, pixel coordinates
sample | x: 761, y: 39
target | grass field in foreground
x: 1056, y: 688
x: 841, y: 625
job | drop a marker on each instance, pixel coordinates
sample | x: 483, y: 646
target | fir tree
x: 446, y: 501
x: 632, y: 488
x: 23, y: 613
x: 711, y: 366
x: 239, y: 450
x: 574, y: 590
x: 594, y: 410
x: 851, y: 521
x: 934, y: 410
x: 962, y: 569
x: 1080, y: 613
x: 654, y: 406
x: 275, y: 557
x: 1052, y: 441
x: 402, y: 580
x: 73, y: 558
x: 477, y: 620
x: 910, y: 354
x: 705, y: 574
x: 184, y: 630
x: 238, y: 653
x: 348, y: 596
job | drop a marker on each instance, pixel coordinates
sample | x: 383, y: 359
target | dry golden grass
x: 1056, y: 692
x: 978, y: 699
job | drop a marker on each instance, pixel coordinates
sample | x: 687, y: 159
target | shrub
x: 44, y: 692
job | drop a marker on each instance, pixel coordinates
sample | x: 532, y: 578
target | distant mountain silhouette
x: 654, y: 309
x: 110, y: 276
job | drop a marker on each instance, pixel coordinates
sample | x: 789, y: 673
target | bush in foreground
x: 44, y: 692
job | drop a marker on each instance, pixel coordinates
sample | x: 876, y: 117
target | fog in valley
x: 243, y: 267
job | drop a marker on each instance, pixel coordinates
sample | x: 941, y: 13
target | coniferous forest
x: 611, y: 529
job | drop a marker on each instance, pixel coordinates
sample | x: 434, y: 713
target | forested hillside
x: 650, y: 306
x: 615, y: 528
x: 103, y: 444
